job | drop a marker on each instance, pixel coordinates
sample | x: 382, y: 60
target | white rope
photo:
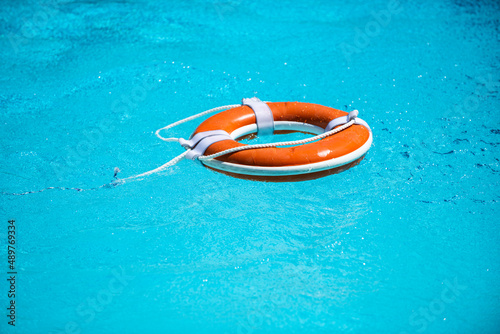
x: 283, y: 143
x: 157, y: 133
x: 159, y: 169
x: 181, y: 156
x: 232, y: 150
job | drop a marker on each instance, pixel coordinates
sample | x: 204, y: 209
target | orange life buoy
x: 329, y: 155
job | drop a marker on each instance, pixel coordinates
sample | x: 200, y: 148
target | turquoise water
x: 405, y: 242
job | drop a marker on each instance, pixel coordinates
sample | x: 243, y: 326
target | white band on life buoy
x: 263, y: 115
x: 344, y: 119
x: 203, y: 142
x: 198, y: 137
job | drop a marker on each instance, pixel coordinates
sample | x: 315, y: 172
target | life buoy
x: 330, y: 155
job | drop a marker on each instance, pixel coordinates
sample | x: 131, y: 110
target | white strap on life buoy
x: 263, y: 115
x: 201, y: 141
x: 353, y: 115
x: 188, y: 144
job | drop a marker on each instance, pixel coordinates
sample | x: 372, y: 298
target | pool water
x: 405, y: 242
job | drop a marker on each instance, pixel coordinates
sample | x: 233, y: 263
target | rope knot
x: 352, y: 115
x: 184, y: 143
